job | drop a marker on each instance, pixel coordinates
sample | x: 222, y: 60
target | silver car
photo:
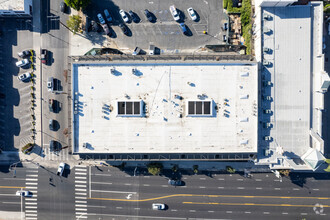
x: 22, y: 63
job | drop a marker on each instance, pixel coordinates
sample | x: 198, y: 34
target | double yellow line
x: 12, y: 187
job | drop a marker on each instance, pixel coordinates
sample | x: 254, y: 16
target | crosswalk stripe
x: 31, y: 187
x: 83, y: 190
x: 78, y: 181
x: 30, y: 214
x: 81, y: 174
x: 80, y: 166
x: 32, y: 175
x: 79, y: 209
x: 34, y: 211
x: 28, y: 199
x: 79, y: 201
x: 30, y: 207
x: 81, y: 194
x: 31, y: 179
x: 28, y: 183
x: 83, y: 186
x: 81, y: 213
x: 77, y: 169
x: 31, y: 203
x: 80, y: 177
x: 80, y: 197
x: 78, y: 205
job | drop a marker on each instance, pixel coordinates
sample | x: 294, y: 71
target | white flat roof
x: 15, y: 5
x: 232, y: 88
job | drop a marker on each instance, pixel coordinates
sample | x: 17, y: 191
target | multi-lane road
x: 108, y: 193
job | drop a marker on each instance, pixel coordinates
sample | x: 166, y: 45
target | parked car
x: 158, y: 206
x: 101, y: 19
x: 123, y: 15
x: 63, y: 7
x: 225, y: 26
x: 152, y: 49
x: 192, y: 14
x: 133, y: 16
x: 24, y: 76
x: 50, y: 84
x: 24, y: 53
x: 60, y: 169
x: 224, y: 38
x: 24, y: 193
x: 106, y: 29
x: 174, y: 13
x: 136, y: 51
x: 183, y: 28
x: 44, y: 56
x: 51, y: 105
x: 107, y: 15
x: 53, y: 146
x: 175, y: 182
x: 22, y: 63
x: 148, y: 15
x: 123, y: 28
x: 51, y: 124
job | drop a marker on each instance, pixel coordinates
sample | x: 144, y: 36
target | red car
x: 44, y: 56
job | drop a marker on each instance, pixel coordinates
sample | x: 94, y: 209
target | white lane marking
x: 221, y: 187
x: 284, y: 213
x: 7, y: 195
x: 32, y: 171
x: 192, y: 210
x: 12, y: 202
x: 221, y: 179
x: 80, y: 177
x: 79, y: 181
x: 99, y: 174
x: 303, y: 213
x: 137, y: 208
x: 31, y: 183
x: 81, y: 194
x: 31, y: 179
x: 78, y: 205
x: 112, y: 191
x: 82, y: 190
x: 31, y: 203
x: 127, y: 176
x: 80, y: 201
x: 80, y: 166
x: 80, y: 197
x: 128, y: 184
x: 229, y: 211
x: 315, y: 189
x: 296, y: 189
x: 258, y: 188
x: 277, y: 188
x: 80, y: 209
x: 247, y: 212
x: 31, y: 187
x: 202, y: 178
x: 81, y: 216
x: 259, y: 180
x: 210, y: 211
x: 32, y: 175
x: 266, y: 213
x: 239, y: 179
x: 146, y: 185
x: 84, y: 174
x: 164, y: 185
x: 34, y: 196
x: 96, y: 206
x: 83, y: 186
x: 119, y: 207
x: 102, y: 183
x: 174, y: 210
x: 77, y: 169
x: 30, y: 207
x: 28, y: 199
x: 202, y: 187
x: 13, y: 179
x: 240, y: 187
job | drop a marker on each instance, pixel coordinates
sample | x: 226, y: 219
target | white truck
x: 60, y: 169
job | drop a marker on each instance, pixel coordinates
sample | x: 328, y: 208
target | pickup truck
x: 44, y: 56
x: 60, y: 169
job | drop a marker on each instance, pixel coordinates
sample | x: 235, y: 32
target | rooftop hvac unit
x: 267, y: 17
x: 266, y: 30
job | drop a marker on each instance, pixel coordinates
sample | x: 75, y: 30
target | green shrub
x: 230, y: 169
x: 155, y: 168
x: 225, y: 3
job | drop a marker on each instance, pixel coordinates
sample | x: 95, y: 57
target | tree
x: 77, y: 4
x: 74, y: 23
x: 195, y: 168
x: 27, y: 148
x: 328, y: 168
x: 175, y: 168
x: 155, y: 168
x: 284, y: 172
x: 230, y: 169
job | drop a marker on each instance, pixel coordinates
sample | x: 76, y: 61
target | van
x: 174, y: 13
x: 151, y: 50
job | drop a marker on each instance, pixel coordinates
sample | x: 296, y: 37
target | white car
x: 192, y: 14
x: 174, y: 13
x: 60, y: 169
x: 101, y: 19
x: 24, y: 76
x: 23, y: 193
x: 22, y: 63
x: 158, y: 206
x: 123, y: 15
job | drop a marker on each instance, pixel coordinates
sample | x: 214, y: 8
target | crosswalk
x: 62, y: 155
x: 81, y: 191
x: 31, y: 203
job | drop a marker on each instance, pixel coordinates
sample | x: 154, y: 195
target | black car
x: 63, y: 7
x: 25, y: 53
x: 148, y: 15
x: 51, y: 124
x: 133, y: 16
x: 175, y: 182
x: 123, y: 28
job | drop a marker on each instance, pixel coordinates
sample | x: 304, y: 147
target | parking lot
x: 164, y: 32
x: 15, y: 118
